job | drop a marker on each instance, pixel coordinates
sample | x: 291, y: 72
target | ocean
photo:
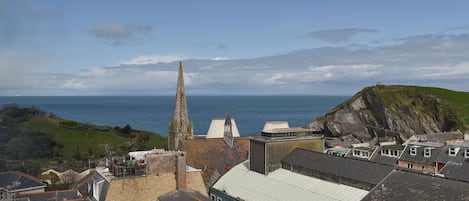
x: 153, y: 113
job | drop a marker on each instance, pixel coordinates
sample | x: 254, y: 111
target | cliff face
x: 388, y: 112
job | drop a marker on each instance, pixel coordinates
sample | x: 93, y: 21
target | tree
x: 69, y: 177
x: 53, y: 178
x: 127, y: 129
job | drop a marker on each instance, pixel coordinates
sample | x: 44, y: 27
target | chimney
x: 180, y: 171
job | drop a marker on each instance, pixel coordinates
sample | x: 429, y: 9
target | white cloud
x: 74, y: 84
x: 220, y: 59
x: 94, y: 72
x: 427, y: 60
x: 153, y: 59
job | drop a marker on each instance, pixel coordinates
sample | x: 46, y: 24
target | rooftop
x: 183, y: 195
x: 419, y: 155
x: 402, y: 185
x: 292, y: 138
x: 456, y: 170
x: 52, y: 195
x: 214, y: 157
x: 16, y: 181
x: 358, y: 170
x: 282, y: 185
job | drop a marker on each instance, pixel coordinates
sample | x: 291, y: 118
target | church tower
x: 180, y: 128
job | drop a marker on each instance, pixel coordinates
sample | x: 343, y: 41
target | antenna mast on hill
x: 378, y: 81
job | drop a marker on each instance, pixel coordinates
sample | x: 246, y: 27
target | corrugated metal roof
x: 282, y: 185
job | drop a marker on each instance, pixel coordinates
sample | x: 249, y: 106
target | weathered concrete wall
x: 257, y: 156
x: 161, y: 163
x: 145, y: 188
x: 180, y: 172
x: 276, y: 150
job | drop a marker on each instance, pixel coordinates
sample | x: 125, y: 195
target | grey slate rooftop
x: 359, y: 170
x: 183, y: 195
x: 19, y: 180
x: 419, y: 156
x: 402, y: 185
x: 456, y: 171
x: 52, y: 195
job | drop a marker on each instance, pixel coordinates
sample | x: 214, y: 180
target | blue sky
x: 263, y: 47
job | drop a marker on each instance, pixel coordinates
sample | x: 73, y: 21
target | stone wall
x: 143, y: 188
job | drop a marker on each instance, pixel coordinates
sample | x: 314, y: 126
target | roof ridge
x: 347, y: 158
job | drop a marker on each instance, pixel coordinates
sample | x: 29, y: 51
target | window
x: 413, y: 151
x: 1, y: 195
x: 219, y: 199
x: 389, y: 152
x: 213, y: 197
x: 466, y: 153
x: 427, y: 152
x: 361, y: 153
x: 453, y: 151
x: 356, y: 152
x: 424, y: 168
x: 365, y: 154
x: 410, y: 165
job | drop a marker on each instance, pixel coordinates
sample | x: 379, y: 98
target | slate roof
x: 378, y: 158
x: 53, y: 195
x: 214, y: 157
x: 22, y: 181
x: 444, y: 156
x: 349, y: 168
x: 441, y: 137
x: 456, y: 171
x: 402, y: 185
x: 419, y: 156
x: 183, y: 195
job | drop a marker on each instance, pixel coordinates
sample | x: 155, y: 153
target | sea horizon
x: 153, y: 112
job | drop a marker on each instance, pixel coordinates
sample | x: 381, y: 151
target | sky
x: 74, y: 48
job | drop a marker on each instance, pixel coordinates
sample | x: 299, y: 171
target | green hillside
x: 41, y: 139
x: 397, y: 94
x: 88, y: 137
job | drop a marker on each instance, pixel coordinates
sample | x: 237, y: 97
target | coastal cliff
x: 394, y: 113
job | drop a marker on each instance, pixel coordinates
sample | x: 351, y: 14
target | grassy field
x: 459, y: 101
x: 86, y: 139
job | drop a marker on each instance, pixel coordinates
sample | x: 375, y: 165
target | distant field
x: 85, y: 139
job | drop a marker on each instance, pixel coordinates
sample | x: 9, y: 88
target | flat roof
x: 279, y: 139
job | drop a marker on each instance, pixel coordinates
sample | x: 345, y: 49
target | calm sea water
x: 153, y: 113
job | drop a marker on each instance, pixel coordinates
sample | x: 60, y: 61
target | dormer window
x: 466, y: 153
x: 452, y: 151
x: 389, y: 152
x: 413, y: 151
x: 427, y: 152
x: 361, y: 153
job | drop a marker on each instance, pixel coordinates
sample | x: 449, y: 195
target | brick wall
x: 160, y: 163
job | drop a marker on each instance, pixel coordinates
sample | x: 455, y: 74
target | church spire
x: 180, y: 128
